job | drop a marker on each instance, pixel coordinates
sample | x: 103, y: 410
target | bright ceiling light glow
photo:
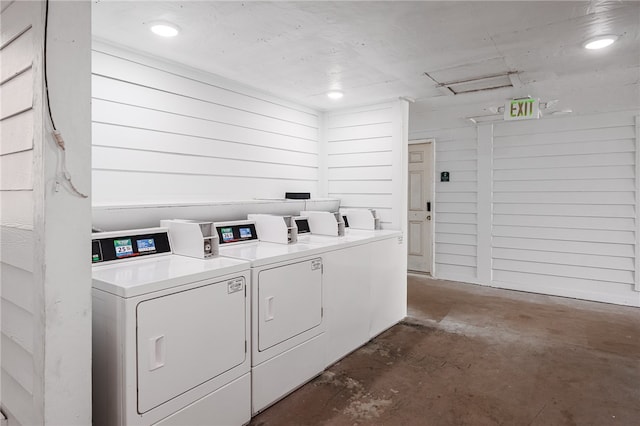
x: 165, y: 29
x: 335, y: 94
x: 600, y: 42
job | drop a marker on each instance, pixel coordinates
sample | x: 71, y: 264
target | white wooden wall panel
x: 16, y: 133
x: 360, y: 159
x: 566, y: 286
x: 157, y: 188
x: 601, y: 261
x: 566, y: 174
x: 384, y: 144
x: 561, y: 125
x: 118, y: 137
x: 177, y: 103
x: 17, y: 285
x: 16, y: 94
x: 455, y: 203
x: 362, y: 154
x: 111, y: 62
x: 19, y: 401
x: 360, y: 173
x: 166, y: 134
x: 18, y: 362
x: 361, y: 187
x: 18, y: 325
x: 129, y: 117
x: 575, y: 185
x: 562, y: 205
x: 561, y: 209
x: 118, y: 159
x: 16, y: 171
x: 564, y: 214
x: 16, y: 19
x: 566, y: 137
x: 17, y: 56
x: 371, y: 201
x: 560, y: 246
x: 365, y: 117
x: 17, y: 51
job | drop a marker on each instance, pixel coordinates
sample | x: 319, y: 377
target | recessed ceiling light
x: 165, y: 29
x: 335, y: 94
x: 600, y: 42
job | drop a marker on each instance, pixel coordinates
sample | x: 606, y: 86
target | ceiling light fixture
x: 600, y: 42
x: 165, y: 29
x: 335, y: 94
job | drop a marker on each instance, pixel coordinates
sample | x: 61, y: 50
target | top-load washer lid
x: 351, y: 237
x: 263, y: 253
x: 129, y: 279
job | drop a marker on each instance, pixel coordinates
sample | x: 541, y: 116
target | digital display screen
x: 96, y: 251
x: 303, y: 226
x: 227, y: 234
x: 245, y: 233
x: 124, y: 248
x: 146, y: 245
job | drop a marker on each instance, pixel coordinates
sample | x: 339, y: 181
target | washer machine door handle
x: 269, y: 312
x: 156, y: 352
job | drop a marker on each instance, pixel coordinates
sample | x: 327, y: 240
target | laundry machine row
x: 157, y: 313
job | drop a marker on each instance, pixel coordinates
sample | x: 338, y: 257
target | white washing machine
x: 364, y: 284
x: 171, y: 334
x: 287, y: 310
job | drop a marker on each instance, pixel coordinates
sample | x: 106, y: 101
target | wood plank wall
x: 361, y: 156
x: 455, y: 204
x: 163, y: 133
x: 17, y: 209
x: 563, y: 208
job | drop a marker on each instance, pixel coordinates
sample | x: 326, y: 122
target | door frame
x: 431, y: 195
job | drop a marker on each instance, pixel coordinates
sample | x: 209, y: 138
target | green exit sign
x: 522, y: 109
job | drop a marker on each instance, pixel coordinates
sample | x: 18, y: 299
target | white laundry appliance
x: 171, y: 334
x: 365, y: 278
x: 288, y: 339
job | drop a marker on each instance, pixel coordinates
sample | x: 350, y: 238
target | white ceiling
x: 377, y: 51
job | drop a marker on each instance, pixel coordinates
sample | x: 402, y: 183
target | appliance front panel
x: 187, y: 338
x: 289, y: 301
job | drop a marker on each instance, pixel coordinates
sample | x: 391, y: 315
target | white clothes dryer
x: 171, y: 341
x: 287, y: 310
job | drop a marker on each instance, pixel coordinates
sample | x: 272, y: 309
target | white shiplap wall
x: 455, y: 204
x: 163, y: 133
x: 546, y: 206
x: 364, y: 155
x: 17, y: 51
x: 564, y: 207
x: 45, y: 300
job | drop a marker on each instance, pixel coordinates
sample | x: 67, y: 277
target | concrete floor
x: 472, y: 355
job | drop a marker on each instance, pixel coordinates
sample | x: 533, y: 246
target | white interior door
x: 420, y: 207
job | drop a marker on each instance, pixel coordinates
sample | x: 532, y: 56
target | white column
x: 63, y: 220
x: 637, y: 260
x: 485, y: 203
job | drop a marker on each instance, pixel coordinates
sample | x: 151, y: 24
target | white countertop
x: 135, y: 277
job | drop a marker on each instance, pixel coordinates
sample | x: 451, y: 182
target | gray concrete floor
x: 472, y: 355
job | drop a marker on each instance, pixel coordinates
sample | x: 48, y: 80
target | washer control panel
x: 113, y: 246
